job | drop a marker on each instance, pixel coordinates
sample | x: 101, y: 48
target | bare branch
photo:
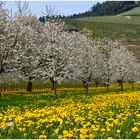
x: 2, y: 3
x: 22, y: 7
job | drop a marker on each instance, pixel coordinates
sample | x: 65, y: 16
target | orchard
x: 32, y: 50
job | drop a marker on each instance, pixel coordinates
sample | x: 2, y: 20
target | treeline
x: 109, y: 8
x: 103, y: 9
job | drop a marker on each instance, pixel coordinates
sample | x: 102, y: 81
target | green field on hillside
x: 133, y: 12
x: 114, y: 19
x: 128, y: 33
x: 114, y: 27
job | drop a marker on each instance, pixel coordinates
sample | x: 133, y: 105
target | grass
x: 113, y: 19
x: 128, y: 33
x: 114, y: 27
x: 39, y: 84
x: 71, y: 114
x: 21, y: 97
x: 133, y: 12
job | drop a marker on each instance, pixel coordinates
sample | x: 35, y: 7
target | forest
x: 102, y: 9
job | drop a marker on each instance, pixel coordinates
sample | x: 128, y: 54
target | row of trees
x: 31, y: 49
x: 103, y: 9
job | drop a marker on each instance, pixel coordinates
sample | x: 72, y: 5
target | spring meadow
x: 70, y: 77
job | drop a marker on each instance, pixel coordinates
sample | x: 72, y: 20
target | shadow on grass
x: 21, y: 99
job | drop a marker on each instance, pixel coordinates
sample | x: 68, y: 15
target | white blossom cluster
x: 32, y: 49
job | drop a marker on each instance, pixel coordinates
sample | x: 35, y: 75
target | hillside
x: 114, y: 27
x: 114, y: 19
x: 107, y: 8
x: 133, y: 12
x: 118, y: 20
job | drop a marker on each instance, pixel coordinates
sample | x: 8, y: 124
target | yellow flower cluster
x: 85, y: 116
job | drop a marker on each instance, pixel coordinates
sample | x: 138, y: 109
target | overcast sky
x: 63, y: 7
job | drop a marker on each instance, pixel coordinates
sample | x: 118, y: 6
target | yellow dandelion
x: 102, y: 129
x: 22, y: 129
x: 88, y: 124
x: 91, y: 136
x: 56, y: 130
x: 42, y: 137
x: 135, y: 129
x: 118, y: 131
x: 110, y: 138
x: 60, y: 136
x: 82, y: 136
x: 65, y: 132
x: 83, y: 131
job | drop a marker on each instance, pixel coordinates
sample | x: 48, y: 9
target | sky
x: 62, y: 7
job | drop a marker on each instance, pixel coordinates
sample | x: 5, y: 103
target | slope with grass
x: 115, y: 27
x: 113, y: 19
x: 133, y: 12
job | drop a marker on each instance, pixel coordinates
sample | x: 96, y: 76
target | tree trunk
x: 132, y: 85
x: 52, y: 81
x: 96, y: 83
x: 107, y: 84
x: 54, y: 87
x: 87, y: 87
x: 85, y: 84
x: 107, y: 87
x: 0, y: 90
x: 29, y: 88
x: 121, y: 84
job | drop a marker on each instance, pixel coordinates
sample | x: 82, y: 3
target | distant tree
x: 133, y: 73
x: 42, y: 19
x: 125, y: 65
x: 84, y: 61
x: 106, y: 47
x: 107, y: 8
x: 117, y: 62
